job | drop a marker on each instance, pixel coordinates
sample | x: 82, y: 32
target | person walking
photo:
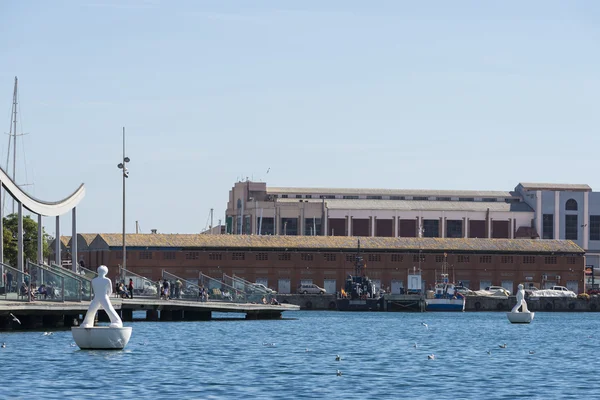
x: 130, y: 288
x: 9, y: 278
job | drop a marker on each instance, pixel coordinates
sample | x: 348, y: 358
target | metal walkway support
x: 184, y: 290
x: 218, y: 290
x: 142, y: 286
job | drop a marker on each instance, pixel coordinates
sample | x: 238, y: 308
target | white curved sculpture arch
x: 40, y: 207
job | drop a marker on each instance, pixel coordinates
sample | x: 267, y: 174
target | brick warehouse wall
x: 320, y: 265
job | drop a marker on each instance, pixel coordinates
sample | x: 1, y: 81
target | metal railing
x: 142, y: 286
x: 252, y: 290
x: 180, y: 288
x: 85, y: 282
x: 50, y: 285
x: 218, y: 290
x: 13, y: 282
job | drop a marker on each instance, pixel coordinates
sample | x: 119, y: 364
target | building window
x: 489, y: 199
x: 262, y: 257
x: 466, y: 199
x: 444, y: 199
x: 548, y: 226
x: 306, y: 257
x: 431, y: 228
x: 289, y: 226
x: 594, y: 227
x: 528, y: 259
x: 462, y: 259
x: 350, y: 258
x: 169, y: 255
x: 284, y: 257
x: 211, y: 256
x: 312, y: 227
x: 350, y: 197
x: 571, y: 227
x: 397, y: 257
x: 571, y: 205
x: 485, y: 259
x: 329, y: 257
x: 145, y: 255
x: 284, y: 196
x: 373, y: 197
x: 192, y: 255
x: 550, y: 260
x: 571, y: 260
x: 327, y: 196
x: 238, y: 256
x: 420, y: 198
x: 308, y: 196
x: 397, y: 197
x: 506, y: 259
x: 298, y: 196
x: 454, y: 228
x: 416, y: 258
x: 374, y: 257
x: 439, y: 258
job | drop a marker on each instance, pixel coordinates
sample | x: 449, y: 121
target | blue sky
x: 387, y: 94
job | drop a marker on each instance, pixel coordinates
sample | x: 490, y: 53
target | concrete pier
x: 39, y: 315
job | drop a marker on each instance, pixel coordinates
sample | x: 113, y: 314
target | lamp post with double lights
x: 123, y: 166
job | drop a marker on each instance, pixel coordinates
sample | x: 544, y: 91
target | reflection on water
x: 383, y: 355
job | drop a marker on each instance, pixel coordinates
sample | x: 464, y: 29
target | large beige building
x: 254, y: 208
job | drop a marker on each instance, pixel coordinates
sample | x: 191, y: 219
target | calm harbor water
x: 226, y: 359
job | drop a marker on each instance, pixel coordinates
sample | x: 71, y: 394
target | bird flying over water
x: 431, y: 357
x: 15, y: 318
x: 425, y: 325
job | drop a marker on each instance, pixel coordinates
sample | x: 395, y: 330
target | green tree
x: 30, y: 231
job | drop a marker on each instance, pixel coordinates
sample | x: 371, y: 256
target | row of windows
x: 571, y: 227
x: 378, y: 197
x: 331, y: 257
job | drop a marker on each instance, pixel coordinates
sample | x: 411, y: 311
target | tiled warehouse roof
x: 335, y: 243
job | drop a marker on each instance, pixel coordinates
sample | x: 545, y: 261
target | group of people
x: 125, y: 292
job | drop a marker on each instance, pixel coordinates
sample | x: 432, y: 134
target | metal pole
x: 74, y: 259
x: 40, y: 244
x: 14, y: 138
x: 20, y: 252
x: 124, y: 176
x: 1, y: 225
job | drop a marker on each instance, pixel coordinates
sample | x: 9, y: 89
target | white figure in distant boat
x: 102, y: 290
x: 521, y: 303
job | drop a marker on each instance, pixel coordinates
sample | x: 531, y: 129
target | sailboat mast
x: 12, y: 139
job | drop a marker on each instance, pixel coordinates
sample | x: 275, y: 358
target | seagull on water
x: 431, y: 357
x: 269, y: 344
x: 48, y: 333
x: 15, y: 318
x: 489, y: 352
x: 338, y: 358
x: 425, y: 325
x: 338, y: 373
x: 502, y: 346
x: 3, y: 345
x: 531, y: 352
x: 415, y: 345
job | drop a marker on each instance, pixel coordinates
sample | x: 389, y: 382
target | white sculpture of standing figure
x: 102, y: 290
x: 521, y: 303
x: 520, y: 317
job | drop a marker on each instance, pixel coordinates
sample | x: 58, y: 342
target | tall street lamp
x: 123, y: 166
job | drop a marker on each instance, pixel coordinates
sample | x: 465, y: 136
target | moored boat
x: 445, y: 297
